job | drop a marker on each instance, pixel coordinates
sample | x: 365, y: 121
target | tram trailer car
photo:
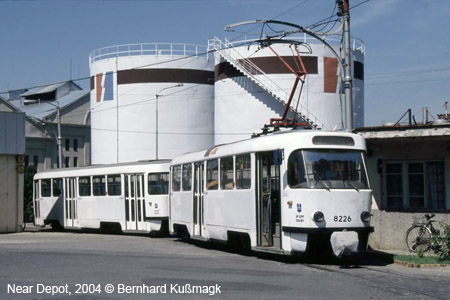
x: 276, y: 193
x: 131, y: 197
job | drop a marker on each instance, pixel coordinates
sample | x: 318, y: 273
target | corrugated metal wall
x: 12, y: 133
x: 12, y: 143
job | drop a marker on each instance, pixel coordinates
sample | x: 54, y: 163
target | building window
x: 394, y: 185
x: 67, y: 162
x: 75, y: 161
x: 75, y: 145
x: 35, y: 160
x: 414, y: 185
x: 67, y: 144
x: 27, y: 160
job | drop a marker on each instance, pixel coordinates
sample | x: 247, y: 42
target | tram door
x: 268, y: 188
x: 70, y: 202
x: 135, y: 202
x: 198, y: 198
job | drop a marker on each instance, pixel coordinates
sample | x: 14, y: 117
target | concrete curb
x: 418, y: 265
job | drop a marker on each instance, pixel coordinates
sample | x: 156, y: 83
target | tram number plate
x: 342, y: 219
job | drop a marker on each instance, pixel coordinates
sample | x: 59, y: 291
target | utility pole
x: 59, y: 138
x: 58, y: 116
x: 348, y: 83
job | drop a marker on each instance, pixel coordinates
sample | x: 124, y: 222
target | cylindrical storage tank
x: 243, y: 104
x: 150, y: 101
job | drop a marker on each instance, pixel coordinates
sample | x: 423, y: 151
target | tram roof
x: 288, y: 140
x: 157, y: 165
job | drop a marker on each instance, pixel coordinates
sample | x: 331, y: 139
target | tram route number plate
x: 342, y: 219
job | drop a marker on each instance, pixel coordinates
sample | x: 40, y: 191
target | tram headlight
x: 365, y: 216
x: 318, y: 216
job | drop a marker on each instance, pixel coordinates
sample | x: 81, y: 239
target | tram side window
x: 226, y: 173
x: 243, y: 171
x: 176, y: 174
x: 99, y: 185
x: 158, y: 183
x: 46, y: 188
x: 186, y: 179
x: 114, y: 185
x: 57, y: 187
x: 296, y: 170
x: 212, y: 175
x: 36, y: 189
x: 84, y: 186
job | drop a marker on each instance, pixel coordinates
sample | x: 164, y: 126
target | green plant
x: 413, y: 259
x: 420, y: 252
x: 440, y: 242
x: 28, y: 193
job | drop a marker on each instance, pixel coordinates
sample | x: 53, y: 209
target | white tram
x: 129, y: 197
x: 278, y: 193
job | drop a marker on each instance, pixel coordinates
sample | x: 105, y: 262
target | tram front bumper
x: 344, y: 242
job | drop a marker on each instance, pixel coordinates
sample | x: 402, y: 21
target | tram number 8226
x: 342, y: 219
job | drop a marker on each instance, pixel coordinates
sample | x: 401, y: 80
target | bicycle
x: 418, y: 236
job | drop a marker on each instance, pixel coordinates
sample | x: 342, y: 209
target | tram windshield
x: 327, y: 169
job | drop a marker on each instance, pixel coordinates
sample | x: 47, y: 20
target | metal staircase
x: 252, y: 71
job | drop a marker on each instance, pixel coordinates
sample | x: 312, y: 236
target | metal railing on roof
x: 166, y: 49
x: 356, y: 43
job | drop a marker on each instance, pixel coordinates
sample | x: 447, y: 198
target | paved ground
x: 94, y: 263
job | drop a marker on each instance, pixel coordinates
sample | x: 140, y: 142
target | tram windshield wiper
x: 324, y: 184
x: 321, y: 181
x: 352, y: 185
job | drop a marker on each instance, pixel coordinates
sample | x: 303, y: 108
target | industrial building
x: 409, y: 170
x: 40, y: 107
x: 12, y: 148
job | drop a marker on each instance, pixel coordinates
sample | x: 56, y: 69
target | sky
x: 406, y: 65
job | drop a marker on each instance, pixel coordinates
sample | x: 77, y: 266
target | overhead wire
x: 356, y: 5
x: 329, y: 19
x: 243, y: 34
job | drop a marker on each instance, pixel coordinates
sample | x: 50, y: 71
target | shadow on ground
x: 317, y: 256
x: 321, y: 257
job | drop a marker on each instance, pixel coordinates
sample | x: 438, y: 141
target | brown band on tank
x: 330, y: 77
x: 99, y: 87
x: 269, y: 65
x: 165, y: 75
x: 273, y: 65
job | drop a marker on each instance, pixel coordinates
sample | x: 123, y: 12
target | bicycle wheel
x: 418, y: 237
